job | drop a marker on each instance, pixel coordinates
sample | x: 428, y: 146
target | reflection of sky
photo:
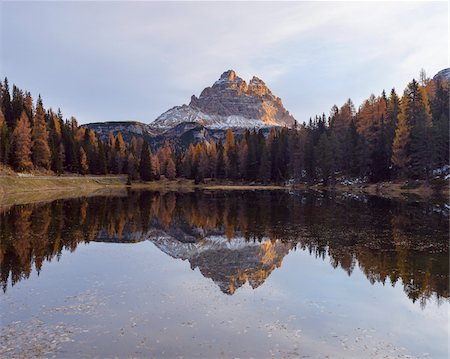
x: 304, y: 307
x: 133, y: 61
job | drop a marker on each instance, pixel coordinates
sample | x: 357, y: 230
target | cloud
x: 117, y: 61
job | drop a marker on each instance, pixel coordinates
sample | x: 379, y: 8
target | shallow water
x: 225, y: 274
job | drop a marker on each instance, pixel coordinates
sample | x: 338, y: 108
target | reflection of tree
x: 387, y: 240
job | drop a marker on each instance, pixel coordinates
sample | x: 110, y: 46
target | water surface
x: 224, y: 274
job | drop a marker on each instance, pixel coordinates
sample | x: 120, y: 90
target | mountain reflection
x: 239, y: 237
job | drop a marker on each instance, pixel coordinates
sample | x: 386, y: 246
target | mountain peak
x: 228, y: 75
x: 230, y: 103
x: 256, y: 80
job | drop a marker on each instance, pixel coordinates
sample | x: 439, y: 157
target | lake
x: 233, y: 274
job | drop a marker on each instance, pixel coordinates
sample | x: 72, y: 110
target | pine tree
x: 40, y: 148
x: 325, y: 154
x: 102, y: 163
x: 21, y: 138
x: 439, y: 105
x: 392, y: 113
x: 265, y: 165
x: 132, y: 168
x: 416, y: 112
x: 220, y: 168
x: 6, y: 106
x: 243, y: 159
x: 380, y: 159
x: 145, y: 166
x: 4, y: 140
x: 17, y: 103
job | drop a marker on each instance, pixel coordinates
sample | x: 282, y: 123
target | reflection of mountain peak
x: 229, y: 263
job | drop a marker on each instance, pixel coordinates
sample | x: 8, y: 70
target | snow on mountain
x: 229, y: 102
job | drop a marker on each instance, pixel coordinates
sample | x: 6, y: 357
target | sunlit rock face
x: 230, y: 102
x: 229, y: 263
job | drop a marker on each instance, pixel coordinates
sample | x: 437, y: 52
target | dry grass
x: 21, y: 190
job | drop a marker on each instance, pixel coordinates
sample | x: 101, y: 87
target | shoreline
x: 29, y: 189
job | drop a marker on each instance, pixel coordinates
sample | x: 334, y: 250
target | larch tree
x: 119, y: 153
x: 29, y: 105
x: 392, y: 113
x: 84, y: 164
x: 400, y: 147
x: 230, y: 155
x: 171, y: 171
x: 155, y: 167
x: 40, y: 147
x: 21, y: 139
x: 213, y: 158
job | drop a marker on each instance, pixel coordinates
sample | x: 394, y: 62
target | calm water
x: 224, y: 274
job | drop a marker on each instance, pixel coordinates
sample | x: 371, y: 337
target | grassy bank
x: 16, y: 189
x: 21, y: 190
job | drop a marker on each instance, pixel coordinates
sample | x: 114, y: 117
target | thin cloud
x: 122, y: 61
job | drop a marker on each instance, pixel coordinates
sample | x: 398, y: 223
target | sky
x: 117, y: 61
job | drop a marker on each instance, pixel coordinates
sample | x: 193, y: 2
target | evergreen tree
x: 265, y: 165
x: 6, y: 105
x: 4, y: 140
x: 17, y: 103
x: 132, y: 167
x: 392, y: 114
x: 439, y: 105
x: 102, y: 163
x: 145, y: 166
x: 416, y: 112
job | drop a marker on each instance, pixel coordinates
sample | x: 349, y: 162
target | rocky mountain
x: 128, y: 129
x: 229, y: 263
x: 442, y: 75
x: 229, y: 102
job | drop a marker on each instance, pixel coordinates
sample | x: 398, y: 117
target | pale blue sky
x: 112, y: 61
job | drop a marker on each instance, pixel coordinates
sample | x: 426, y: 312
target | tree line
x: 386, y: 137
